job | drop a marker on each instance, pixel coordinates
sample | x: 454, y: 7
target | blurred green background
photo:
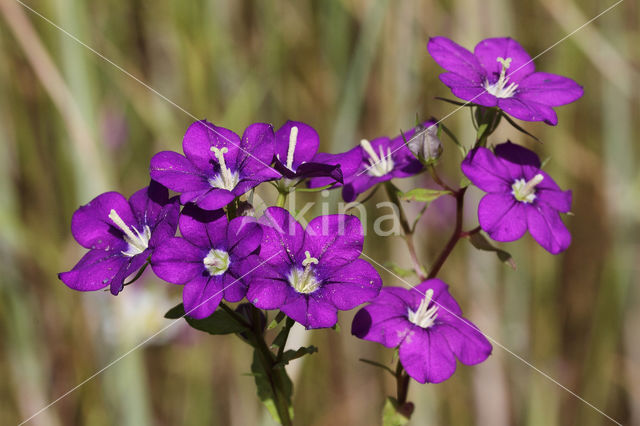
x: 72, y: 126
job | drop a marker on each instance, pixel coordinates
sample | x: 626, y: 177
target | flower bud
x: 425, y: 144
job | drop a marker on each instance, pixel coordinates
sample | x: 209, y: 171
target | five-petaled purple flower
x: 426, y: 324
x: 296, y: 145
x: 219, y: 166
x: 520, y: 196
x: 501, y: 73
x: 311, y: 274
x: 121, y: 236
x: 212, y: 259
x: 371, y: 163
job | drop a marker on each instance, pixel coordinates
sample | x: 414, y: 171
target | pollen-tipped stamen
x: 378, y: 165
x: 525, y: 191
x: 302, y: 280
x: 498, y: 88
x: 424, y: 316
x: 293, y: 140
x: 137, y: 243
x: 226, y: 179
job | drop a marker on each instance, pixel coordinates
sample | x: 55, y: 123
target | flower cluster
x: 223, y: 253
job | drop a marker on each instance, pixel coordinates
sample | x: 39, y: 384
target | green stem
x: 282, y: 199
x: 392, y: 193
x: 232, y: 210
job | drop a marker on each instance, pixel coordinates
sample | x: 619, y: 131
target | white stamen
x: 378, y: 165
x: 293, y: 140
x: 216, y: 262
x: 498, y: 88
x: 524, y: 191
x: 424, y: 317
x: 138, y: 242
x: 302, y: 280
x: 226, y: 179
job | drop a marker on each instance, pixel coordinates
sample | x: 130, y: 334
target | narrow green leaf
x: 390, y: 414
x: 377, y: 364
x: 175, y: 312
x: 220, y: 322
x: 423, y: 195
x: 290, y: 355
x: 517, y: 127
x: 336, y: 327
x: 453, y: 137
x: 451, y: 101
x: 277, y: 320
x: 480, y: 242
x: 464, y: 182
x: 281, y: 381
x: 281, y: 338
x: 482, y: 129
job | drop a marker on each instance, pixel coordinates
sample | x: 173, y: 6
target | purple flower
x: 212, y: 259
x: 520, y: 196
x: 219, y: 166
x: 120, y: 236
x: 500, y: 73
x: 371, y: 163
x: 296, y: 145
x: 311, y: 274
x: 426, y: 324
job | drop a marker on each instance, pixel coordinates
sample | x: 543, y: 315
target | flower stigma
x: 303, y: 280
x: 293, y: 140
x: 138, y: 242
x: 498, y: 88
x: 524, y: 191
x: 216, y: 262
x: 424, y: 317
x: 378, y: 165
x: 226, y: 179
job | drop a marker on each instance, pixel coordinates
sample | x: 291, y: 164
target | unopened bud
x: 425, y: 144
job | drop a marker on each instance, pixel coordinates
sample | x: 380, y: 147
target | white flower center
x: 302, y: 280
x: 424, y: 317
x: 216, y: 262
x: 499, y: 89
x: 138, y: 242
x: 226, y: 179
x: 524, y: 191
x: 379, y: 165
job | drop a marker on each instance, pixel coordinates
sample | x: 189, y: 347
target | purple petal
x: 354, y: 284
x: 528, y: 110
x: 240, y: 272
x: 258, y: 144
x: 282, y: 236
x: 148, y: 202
x: 456, y: 59
x: 311, y: 169
x: 550, y: 193
x: 489, y: 50
x: 202, y: 295
x: 296, y: 307
x: 547, y: 228
x: 426, y: 356
x: 178, y: 261
x: 334, y: 240
x: 305, y: 148
x: 199, y: 139
x: 94, y: 271
x: 244, y: 236
x: 360, y: 183
x: 349, y: 163
x: 213, y: 199
x: 502, y: 216
x: 517, y: 154
x: 177, y: 173
x: 204, y: 228
x: 549, y: 89
x: 166, y: 223
x: 319, y: 313
x: 486, y: 172
x: 132, y: 266
x: 447, y: 305
x: 468, y: 90
x: 383, y: 324
x: 265, y: 292
x: 92, y: 228
x: 465, y: 340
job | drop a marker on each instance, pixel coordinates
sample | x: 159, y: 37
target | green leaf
x: 281, y: 338
x: 377, y: 364
x: 545, y: 162
x: 277, y: 320
x: 423, y: 195
x: 398, y: 270
x: 451, y: 101
x: 175, y: 312
x: 265, y: 391
x: 482, y: 129
x: 220, y: 322
x: 392, y: 416
x: 480, y: 242
x: 417, y: 219
x: 464, y: 182
x: 336, y: 327
x: 290, y: 355
x: 517, y: 127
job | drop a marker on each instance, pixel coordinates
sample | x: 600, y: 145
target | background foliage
x: 72, y: 126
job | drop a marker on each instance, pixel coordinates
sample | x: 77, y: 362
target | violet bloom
x: 212, y: 259
x: 520, y: 196
x: 500, y: 73
x: 296, y: 145
x: 311, y: 274
x: 426, y: 324
x: 371, y: 163
x: 218, y: 166
x: 120, y: 236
